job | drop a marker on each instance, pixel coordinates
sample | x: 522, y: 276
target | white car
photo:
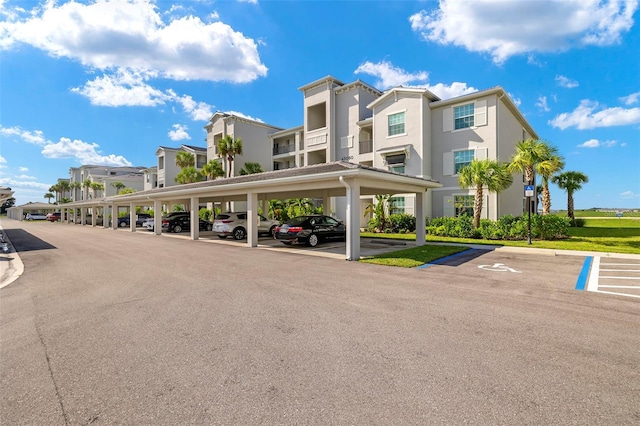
x: 235, y: 225
x: 36, y: 216
x: 148, y: 224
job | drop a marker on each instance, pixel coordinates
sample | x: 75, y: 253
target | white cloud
x: 542, y: 103
x: 585, y: 116
x: 124, y: 88
x: 629, y: 194
x: 566, y: 82
x: 199, y: 111
x: 35, y: 137
x: 23, y: 169
x: 18, y: 184
x: 179, y: 133
x: 392, y: 76
x: 131, y: 34
x: 595, y: 143
x: 25, y: 177
x: 515, y: 100
x: 84, y: 152
x: 504, y: 29
x: 3, y: 160
x: 631, y: 99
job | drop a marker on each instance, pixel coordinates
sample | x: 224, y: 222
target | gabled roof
x: 394, y: 91
x: 324, y: 80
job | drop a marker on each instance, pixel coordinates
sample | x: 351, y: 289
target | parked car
x: 36, y: 216
x: 88, y: 219
x: 123, y: 222
x: 54, y: 217
x: 180, y: 223
x: 149, y: 223
x: 235, y: 225
x: 310, y: 230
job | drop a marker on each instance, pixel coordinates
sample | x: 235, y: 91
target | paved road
x: 109, y: 327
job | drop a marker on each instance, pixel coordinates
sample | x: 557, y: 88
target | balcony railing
x: 277, y: 150
x: 365, y: 147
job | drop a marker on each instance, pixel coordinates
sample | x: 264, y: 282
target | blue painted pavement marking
x: 447, y: 258
x: 584, y: 273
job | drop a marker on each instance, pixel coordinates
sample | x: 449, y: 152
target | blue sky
x: 107, y: 82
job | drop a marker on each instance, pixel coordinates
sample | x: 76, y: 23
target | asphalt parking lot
x: 106, y: 327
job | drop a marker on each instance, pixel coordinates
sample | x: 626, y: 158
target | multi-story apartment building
x: 403, y: 130
x: 150, y: 178
x: 167, y: 169
x: 254, y: 135
x: 131, y: 177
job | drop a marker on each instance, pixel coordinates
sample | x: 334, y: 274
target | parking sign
x: 529, y: 190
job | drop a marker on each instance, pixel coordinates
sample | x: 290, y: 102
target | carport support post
x: 105, y: 217
x: 353, y: 218
x: 157, y: 217
x: 83, y: 215
x: 195, y: 219
x: 421, y: 224
x: 132, y: 217
x: 252, y: 218
x: 115, y: 211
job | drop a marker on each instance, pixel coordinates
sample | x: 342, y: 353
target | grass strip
x: 414, y: 256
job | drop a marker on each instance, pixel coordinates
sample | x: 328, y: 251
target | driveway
x: 107, y: 327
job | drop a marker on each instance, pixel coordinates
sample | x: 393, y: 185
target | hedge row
x: 548, y: 227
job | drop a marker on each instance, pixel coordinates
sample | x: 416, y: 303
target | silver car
x: 148, y: 224
x: 235, y: 225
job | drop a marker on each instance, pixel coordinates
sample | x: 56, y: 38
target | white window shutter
x: 447, y: 120
x: 447, y: 163
x: 480, y: 113
x: 448, y: 208
x: 480, y: 154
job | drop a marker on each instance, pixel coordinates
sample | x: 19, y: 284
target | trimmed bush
x: 402, y: 223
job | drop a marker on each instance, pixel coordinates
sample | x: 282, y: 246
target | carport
x: 322, y: 181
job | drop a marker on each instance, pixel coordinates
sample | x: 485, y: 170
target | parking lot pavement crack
x: 53, y: 379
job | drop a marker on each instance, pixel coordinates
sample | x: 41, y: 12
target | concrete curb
x: 11, y: 266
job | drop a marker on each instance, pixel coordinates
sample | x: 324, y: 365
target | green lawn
x: 595, y: 213
x: 600, y: 235
x: 414, y: 256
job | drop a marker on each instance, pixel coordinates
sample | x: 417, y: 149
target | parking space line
x: 595, y: 277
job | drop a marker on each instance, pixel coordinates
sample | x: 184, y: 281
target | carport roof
x: 288, y: 183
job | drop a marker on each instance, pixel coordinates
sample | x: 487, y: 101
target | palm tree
x: 212, y: 170
x: 185, y: 159
x: 250, y: 168
x: 546, y: 168
x: 119, y: 186
x: 379, y: 210
x: 65, y: 187
x: 229, y: 148
x: 86, y: 184
x: 96, y: 186
x: 528, y: 154
x: 56, y: 190
x: 75, y: 186
x: 480, y: 173
x: 276, y: 209
x: 571, y: 182
x: 188, y: 175
x: 49, y: 196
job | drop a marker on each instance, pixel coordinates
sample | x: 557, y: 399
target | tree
x: 64, y: 187
x: 379, y: 212
x: 546, y: 168
x: 212, y: 170
x: 276, y: 209
x: 56, y: 190
x: 8, y: 203
x: 571, y: 182
x: 529, y: 153
x: 96, y: 186
x: 250, y: 168
x: 229, y: 148
x: 185, y: 159
x: 126, y: 191
x: 188, y: 175
x: 74, y: 186
x: 49, y: 196
x: 86, y: 184
x: 484, y: 173
x: 119, y: 186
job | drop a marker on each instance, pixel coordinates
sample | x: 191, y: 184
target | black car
x: 310, y: 230
x: 182, y: 222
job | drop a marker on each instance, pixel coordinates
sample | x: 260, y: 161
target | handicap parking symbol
x: 498, y: 267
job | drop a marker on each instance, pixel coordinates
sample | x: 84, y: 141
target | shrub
x: 205, y: 214
x: 402, y: 223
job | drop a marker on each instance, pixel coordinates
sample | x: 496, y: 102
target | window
x: 346, y: 142
x: 397, y: 169
x: 396, y: 124
x: 396, y: 205
x: 161, y: 163
x: 463, y: 116
x: 463, y: 204
x: 461, y: 159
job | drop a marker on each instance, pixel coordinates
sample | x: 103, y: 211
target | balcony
x: 285, y: 149
x: 365, y: 147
